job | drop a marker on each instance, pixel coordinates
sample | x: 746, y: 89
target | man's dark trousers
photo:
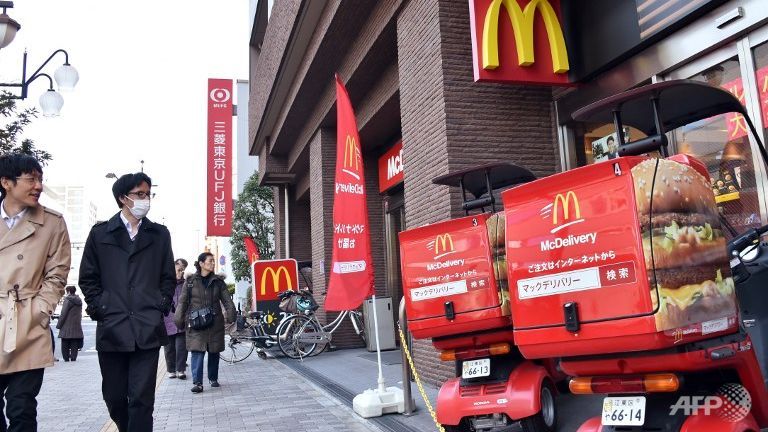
x: 133, y: 374
x: 20, y: 390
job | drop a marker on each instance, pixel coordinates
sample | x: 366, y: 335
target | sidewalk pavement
x: 255, y: 395
x: 344, y: 374
x: 276, y: 394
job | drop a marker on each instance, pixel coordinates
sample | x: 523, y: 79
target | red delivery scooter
x: 673, y: 334
x: 456, y: 292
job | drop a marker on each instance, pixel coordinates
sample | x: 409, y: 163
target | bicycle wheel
x: 236, y: 350
x: 288, y: 332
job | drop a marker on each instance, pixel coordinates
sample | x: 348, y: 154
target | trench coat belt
x: 9, y: 311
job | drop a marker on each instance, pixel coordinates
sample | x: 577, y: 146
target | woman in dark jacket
x: 205, y: 289
x: 176, y: 348
x: 69, y: 325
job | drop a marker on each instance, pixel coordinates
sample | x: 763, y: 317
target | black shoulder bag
x: 202, y: 318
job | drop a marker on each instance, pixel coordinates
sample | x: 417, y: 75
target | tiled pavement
x: 255, y: 395
x: 70, y: 399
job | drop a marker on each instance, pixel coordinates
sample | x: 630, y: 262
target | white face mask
x: 140, y: 208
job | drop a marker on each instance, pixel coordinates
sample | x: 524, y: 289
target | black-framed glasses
x: 31, y: 179
x: 142, y: 195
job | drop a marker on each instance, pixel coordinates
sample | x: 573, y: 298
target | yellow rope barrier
x: 404, y: 345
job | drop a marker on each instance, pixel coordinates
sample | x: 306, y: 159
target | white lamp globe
x: 8, y: 29
x: 66, y: 77
x: 51, y: 103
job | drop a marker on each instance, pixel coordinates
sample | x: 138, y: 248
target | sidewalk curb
x: 343, y: 404
x: 385, y: 423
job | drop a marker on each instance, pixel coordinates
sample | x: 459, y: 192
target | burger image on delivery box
x: 684, y: 247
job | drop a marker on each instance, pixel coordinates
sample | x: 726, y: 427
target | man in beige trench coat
x: 34, y: 264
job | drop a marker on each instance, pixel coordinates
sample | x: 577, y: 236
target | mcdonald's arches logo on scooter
x: 270, y: 277
x: 443, y: 245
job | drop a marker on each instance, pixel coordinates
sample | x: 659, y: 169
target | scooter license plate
x: 476, y: 368
x: 624, y: 411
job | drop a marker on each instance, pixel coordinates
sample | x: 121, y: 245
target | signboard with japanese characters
x: 219, y: 156
x: 351, y: 279
x: 576, y: 238
x: 450, y: 263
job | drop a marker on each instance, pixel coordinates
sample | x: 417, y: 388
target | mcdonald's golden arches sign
x: 518, y: 41
x: 274, y: 276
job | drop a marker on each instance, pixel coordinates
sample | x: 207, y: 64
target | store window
x: 597, y: 142
x: 722, y: 143
x: 761, y: 64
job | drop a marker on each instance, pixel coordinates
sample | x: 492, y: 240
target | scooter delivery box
x: 448, y: 277
x: 623, y: 255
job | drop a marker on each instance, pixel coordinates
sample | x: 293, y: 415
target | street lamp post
x: 8, y: 26
x: 66, y: 76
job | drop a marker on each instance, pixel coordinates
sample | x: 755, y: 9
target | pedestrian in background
x: 127, y: 278
x: 176, y: 348
x: 35, y: 257
x: 205, y: 291
x: 70, y: 325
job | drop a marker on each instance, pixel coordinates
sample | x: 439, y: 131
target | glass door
x: 394, y: 222
x: 724, y: 142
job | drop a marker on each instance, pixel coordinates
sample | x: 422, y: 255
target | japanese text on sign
x: 439, y: 290
x: 219, y: 211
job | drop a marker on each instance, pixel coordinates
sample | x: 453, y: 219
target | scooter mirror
x: 750, y: 253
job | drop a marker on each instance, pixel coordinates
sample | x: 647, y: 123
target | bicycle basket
x: 305, y: 303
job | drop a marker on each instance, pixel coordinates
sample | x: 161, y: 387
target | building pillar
x: 450, y: 123
x: 322, y: 163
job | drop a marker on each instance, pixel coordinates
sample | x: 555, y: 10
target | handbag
x: 201, y: 318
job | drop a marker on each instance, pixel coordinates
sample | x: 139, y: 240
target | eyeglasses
x: 142, y: 195
x: 31, y: 180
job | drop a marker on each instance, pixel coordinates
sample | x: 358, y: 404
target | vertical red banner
x: 251, y: 249
x: 219, y: 155
x: 351, y: 265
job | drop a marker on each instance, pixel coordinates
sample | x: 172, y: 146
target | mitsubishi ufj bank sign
x: 219, y: 156
x: 518, y: 41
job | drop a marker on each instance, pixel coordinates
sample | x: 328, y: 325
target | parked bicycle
x: 301, y: 334
x: 245, y: 336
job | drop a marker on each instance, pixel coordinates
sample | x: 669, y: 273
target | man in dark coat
x: 127, y: 278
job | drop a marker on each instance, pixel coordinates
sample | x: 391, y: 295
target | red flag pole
x: 351, y: 279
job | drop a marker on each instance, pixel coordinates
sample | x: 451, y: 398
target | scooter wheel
x: 460, y: 428
x: 262, y: 355
x: 546, y: 419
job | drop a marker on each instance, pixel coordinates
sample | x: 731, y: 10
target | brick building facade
x: 408, y: 68
x: 407, y: 65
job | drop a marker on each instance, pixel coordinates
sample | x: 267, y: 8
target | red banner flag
x: 251, y: 249
x: 219, y: 155
x: 351, y: 266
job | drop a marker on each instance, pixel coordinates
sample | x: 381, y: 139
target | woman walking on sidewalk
x: 70, y: 325
x: 176, y: 349
x: 200, y: 312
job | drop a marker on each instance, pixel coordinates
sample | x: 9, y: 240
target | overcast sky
x: 143, y: 70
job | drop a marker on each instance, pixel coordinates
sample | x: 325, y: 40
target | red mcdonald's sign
x: 274, y: 276
x: 391, y: 171
x: 518, y: 41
